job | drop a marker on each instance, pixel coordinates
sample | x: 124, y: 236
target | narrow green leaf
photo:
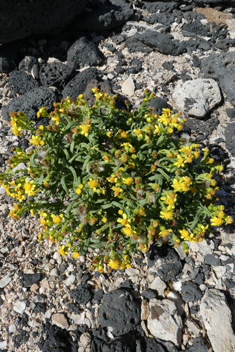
x: 70, y: 206
x: 67, y: 154
x: 72, y: 145
x: 86, y: 163
x: 74, y: 173
x: 64, y: 184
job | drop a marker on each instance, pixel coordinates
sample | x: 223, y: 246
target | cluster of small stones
x: 168, y: 301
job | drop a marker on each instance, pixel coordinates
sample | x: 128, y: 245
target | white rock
x: 12, y: 328
x: 158, y: 285
x: 197, y: 97
x: 60, y: 320
x: 217, y: 319
x: 19, y: 306
x: 5, y: 281
x: 78, y: 318
x: 57, y: 257
x: 20, y: 166
x: 164, y: 321
x: 3, y: 344
x: 70, y: 280
x: 47, y: 315
x: 54, y: 272
x: 2, y: 190
x: 177, y: 286
x: 128, y: 87
x: 131, y: 271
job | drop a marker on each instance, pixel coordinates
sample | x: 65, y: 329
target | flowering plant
x: 113, y: 181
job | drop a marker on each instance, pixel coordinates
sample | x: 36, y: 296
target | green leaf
x: 64, y: 184
x: 67, y: 154
x: 194, y: 223
x: 32, y: 160
x: 118, y: 205
x: 72, y: 145
x: 106, y: 206
x: 70, y: 206
x: 161, y: 139
x: 163, y: 174
x: 98, y: 245
x: 74, y: 173
x: 85, y: 163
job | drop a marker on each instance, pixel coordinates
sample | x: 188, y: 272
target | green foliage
x: 113, y: 181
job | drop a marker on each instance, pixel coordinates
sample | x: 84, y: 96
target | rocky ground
x: 168, y: 301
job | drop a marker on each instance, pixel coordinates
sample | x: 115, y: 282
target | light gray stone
x: 158, y: 285
x: 217, y: 319
x: 60, y: 320
x: 128, y: 87
x: 164, y: 321
x: 197, y: 97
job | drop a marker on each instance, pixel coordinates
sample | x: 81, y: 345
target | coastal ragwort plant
x: 112, y: 180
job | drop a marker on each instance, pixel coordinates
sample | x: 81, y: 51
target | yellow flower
x: 127, y: 230
x: 114, y: 264
x: 106, y: 158
x: 93, y: 184
x: 75, y: 255
x: 41, y: 127
x: 216, y: 221
x: 180, y: 162
x: 36, y: 140
x: 166, y: 214
x: 42, y: 112
x: 117, y: 190
x: 104, y: 219
x: 78, y: 191
x: 124, y: 220
x: 62, y: 250
x: 124, y: 134
x: 85, y: 129
x: 16, y: 131
x: 138, y: 132
x: 28, y: 186
x: 176, y: 184
x: 109, y: 134
x: 228, y: 220
x: 128, y: 180
x: 57, y: 218
x: 120, y: 211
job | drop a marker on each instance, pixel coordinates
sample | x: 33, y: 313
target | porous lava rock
x: 120, y: 311
x: 230, y: 138
x: 30, y: 103
x: 56, y: 74
x: 84, y: 52
x: 22, y: 18
x: 82, y: 294
x: 21, y: 82
x: 168, y: 264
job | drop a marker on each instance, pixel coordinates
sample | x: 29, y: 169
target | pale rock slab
x: 197, y: 97
x: 128, y: 87
x: 60, y: 320
x: 158, y: 285
x: 19, y: 306
x: 217, y: 319
x: 5, y: 281
x: 164, y: 321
